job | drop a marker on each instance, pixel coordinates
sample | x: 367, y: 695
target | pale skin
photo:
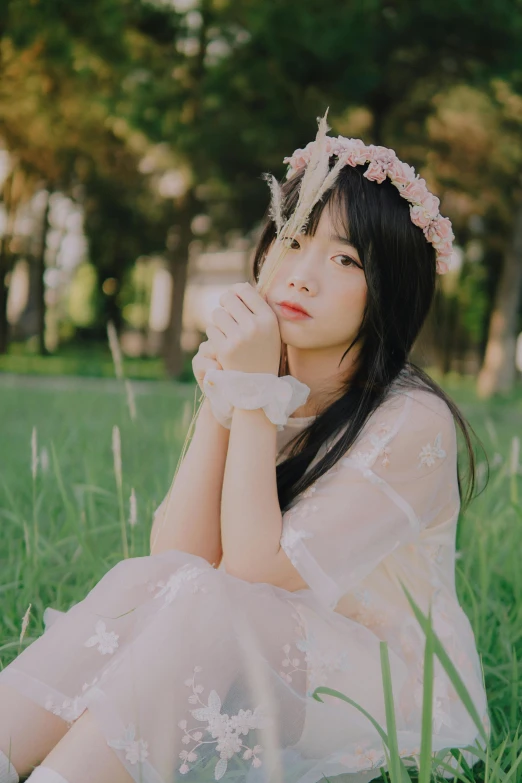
x: 225, y: 503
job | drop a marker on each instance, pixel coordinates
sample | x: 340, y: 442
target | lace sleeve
x: 395, y: 479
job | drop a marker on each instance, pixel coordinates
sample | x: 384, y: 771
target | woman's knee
x: 28, y: 732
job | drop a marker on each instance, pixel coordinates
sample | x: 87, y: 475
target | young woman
x: 321, y: 480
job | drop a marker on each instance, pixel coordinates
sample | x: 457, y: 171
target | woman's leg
x: 27, y: 731
x: 83, y: 756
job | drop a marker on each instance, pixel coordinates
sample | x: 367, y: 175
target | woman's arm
x: 251, y: 519
x: 194, y: 508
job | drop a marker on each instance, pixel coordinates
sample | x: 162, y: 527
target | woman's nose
x: 303, y: 269
x: 302, y: 283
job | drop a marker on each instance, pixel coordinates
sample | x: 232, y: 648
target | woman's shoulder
x: 409, y: 414
x: 421, y: 402
x: 411, y: 433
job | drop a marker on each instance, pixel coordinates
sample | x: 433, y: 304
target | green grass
x: 89, y: 360
x: 74, y: 507
x: 76, y: 501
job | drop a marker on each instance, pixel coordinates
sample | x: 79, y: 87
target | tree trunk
x: 40, y: 284
x: 178, y: 266
x: 6, y: 259
x: 498, y: 370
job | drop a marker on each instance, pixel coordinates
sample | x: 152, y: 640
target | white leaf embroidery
x: 177, y: 580
x: 429, y: 453
x: 135, y: 750
x: 289, y: 539
x: 107, y: 641
x: 69, y: 710
x: 320, y: 660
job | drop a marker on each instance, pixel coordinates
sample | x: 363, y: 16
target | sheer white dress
x: 193, y: 674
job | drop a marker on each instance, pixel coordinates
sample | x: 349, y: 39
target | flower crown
x: 424, y: 206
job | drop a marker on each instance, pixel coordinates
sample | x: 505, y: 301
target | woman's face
x: 322, y: 274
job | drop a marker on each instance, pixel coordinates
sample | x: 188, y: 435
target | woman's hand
x: 204, y: 360
x: 245, y: 331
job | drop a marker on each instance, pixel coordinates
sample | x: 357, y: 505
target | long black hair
x: 400, y: 270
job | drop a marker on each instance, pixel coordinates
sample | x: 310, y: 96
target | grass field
x: 74, y: 509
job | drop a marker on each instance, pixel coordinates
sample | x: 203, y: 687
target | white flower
x: 135, y: 750
x: 365, y: 459
x: 429, y: 453
x: 289, y: 539
x: 69, y: 710
x: 225, y: 729
x: 309, y: 491
x: 175, y: 582
x: 319, y: 660
x: 106, y: 640
x: 363, y: 758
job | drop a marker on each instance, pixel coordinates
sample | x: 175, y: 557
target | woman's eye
x: 288, y: 242
x: 348, y: 260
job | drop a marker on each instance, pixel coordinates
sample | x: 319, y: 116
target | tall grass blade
x: 425, y: 763
x: 383, y: 735
x: 395, y: 770
x: 448, y: 666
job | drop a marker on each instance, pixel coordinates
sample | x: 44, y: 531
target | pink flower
x: 401, y: 173
x: 382, y: 156
x: 419, y: 217
x: 375, y: 172
x: 357, y: 153
x: 415, y: 191
x: 300, y: 157
x: 431, y: 204
x: 439, y: 233
x: 445, y: 249
x: 380, y: 162
x: 424, y: 206
x: 331, y: 145
x: 444, y: 229
x: 383, y: 153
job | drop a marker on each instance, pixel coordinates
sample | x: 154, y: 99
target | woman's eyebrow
x: 344, y: 240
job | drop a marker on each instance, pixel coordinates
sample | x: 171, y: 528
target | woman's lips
x: 290, y: 313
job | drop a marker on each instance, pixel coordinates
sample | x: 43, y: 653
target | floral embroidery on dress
x: 366, y: 613
x: 366, y: 757
x: 440, y: 710
x: 107, y: 641
x: 115, y: 664
x: 69, y: 710
x: 224, y: 728
x: 435, y: 552
x: 379, y: 440
x: 363, y: 758
x: 320, y: 661
x: 135, y: 750
x: 301, y: 510
x: 87, y: 685
x: 289, y: 539
x: 290, y: 535
x: 171, y: 588
x: 429, y: 453
x: 309, y: 491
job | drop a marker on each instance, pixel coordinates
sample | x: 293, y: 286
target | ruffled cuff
x: 278, y: 396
